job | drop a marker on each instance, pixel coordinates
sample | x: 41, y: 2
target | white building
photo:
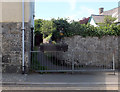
x: 95, y: 19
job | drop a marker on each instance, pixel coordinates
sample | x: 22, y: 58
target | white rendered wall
x: 12, y: 11
x: 92, y: 22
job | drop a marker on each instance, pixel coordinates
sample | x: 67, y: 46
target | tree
x: 62, y: 28
x: 109, y: 20
x: 61, y: 24
x: 38, y: 24
x: 47, y: 28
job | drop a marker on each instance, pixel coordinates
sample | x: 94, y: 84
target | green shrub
x: 75, y: 28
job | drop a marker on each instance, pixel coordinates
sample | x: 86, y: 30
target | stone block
x: 6, y: 58
x: 12, y: 69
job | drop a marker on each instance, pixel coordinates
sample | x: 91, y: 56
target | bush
x: 75, y: 28
x: 56, y: 26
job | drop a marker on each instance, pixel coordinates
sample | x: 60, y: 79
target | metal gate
x: 55, y: 61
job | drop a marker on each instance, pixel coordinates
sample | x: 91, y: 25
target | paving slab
x: 61, y: 81
x: 61, y: 78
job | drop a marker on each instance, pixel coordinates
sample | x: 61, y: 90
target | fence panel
x: 58, y: 61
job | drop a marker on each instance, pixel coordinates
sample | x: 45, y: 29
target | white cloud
x: 72, y: 4
x: 87, y: 10
x: 83, y: 11
x: 71, y: 17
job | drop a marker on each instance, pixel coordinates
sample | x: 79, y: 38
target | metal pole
x: 114, y: 62
x: 23, y: 29
x: 72, y: 63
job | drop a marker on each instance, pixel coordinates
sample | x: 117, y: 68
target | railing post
x: 114, y: 63
x: 72, y: 63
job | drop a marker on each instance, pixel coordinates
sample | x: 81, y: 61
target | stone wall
x: 0, y: 49
x: 12, y: 46
x: 91, y: 51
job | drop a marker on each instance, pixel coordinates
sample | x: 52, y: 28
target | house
x: 95, y: 19
x: 84, y: 20
x: 16, y: 31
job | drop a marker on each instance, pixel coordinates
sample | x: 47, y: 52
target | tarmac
x: 60, y: 81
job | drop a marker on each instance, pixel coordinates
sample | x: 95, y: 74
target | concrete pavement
x: 62, y: 81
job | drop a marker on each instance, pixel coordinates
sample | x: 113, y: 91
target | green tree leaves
x: 47, y: 28
x: 109, y: 20
x: 53, y: 27
x: 38, y: 24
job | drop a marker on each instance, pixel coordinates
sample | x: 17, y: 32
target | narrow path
x: 45, y: 61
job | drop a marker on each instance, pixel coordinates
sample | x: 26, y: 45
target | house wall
x: 0, y: 49
x: 91, y: 51
x: 12, y: 46
x: 32, y: 13
x: 92, y: 22
x: 0, y: 11
x: 11, y: 35
x: 12, y: 11
x: 119, y: 12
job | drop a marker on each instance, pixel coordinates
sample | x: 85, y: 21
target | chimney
x: 101, y: 10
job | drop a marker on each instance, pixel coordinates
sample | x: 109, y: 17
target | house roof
x: 113, y: 12
x: 84, y: 21
x: 98, y: 18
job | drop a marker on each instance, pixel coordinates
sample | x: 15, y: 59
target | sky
x: 71, y: 9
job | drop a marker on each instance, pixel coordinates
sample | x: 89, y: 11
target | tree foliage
x: 47, y: 28
x: 109, y: 20
x: 61, y: 26
x: 55, y: 26
x: 38, y: 24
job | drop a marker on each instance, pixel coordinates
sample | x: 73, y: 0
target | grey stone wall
x: 12, y: 46
x: 0, y: 49
x: 90, y: 51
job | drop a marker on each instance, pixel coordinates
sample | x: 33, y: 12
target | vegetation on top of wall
x: 109, y: 20
x: 62, y: 28
x: 45, y: 27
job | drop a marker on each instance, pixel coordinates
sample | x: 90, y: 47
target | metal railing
x: 58, y: 61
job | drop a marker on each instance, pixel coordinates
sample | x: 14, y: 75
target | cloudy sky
x: 72, y: 9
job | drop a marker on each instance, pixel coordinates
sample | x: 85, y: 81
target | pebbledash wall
x: 91, y: 51
x: 12, y: 47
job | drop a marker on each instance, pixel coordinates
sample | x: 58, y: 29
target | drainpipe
x: 33, y: 33
x: 33, y: 4
x: 33, y: 21
x: 23, y: 46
